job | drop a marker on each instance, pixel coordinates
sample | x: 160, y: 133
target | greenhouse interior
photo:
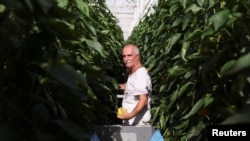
x: 67, y: 70
x: 129, y: 12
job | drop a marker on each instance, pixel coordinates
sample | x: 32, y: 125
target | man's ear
x: 138, y: 56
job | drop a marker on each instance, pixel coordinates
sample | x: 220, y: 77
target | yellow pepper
x: 120, y: 111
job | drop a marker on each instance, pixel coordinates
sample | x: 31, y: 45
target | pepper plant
x: 197, y: 53
x: 52, y: 60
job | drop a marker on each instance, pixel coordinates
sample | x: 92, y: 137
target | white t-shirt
x: 138, y: 83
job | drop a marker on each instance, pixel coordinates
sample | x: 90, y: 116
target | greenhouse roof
x: 129, y: 12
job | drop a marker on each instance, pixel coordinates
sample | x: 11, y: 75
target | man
x: 137, y: 93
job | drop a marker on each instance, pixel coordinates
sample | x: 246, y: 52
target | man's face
x: 130, y: 58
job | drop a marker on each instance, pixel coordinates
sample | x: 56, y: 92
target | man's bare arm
x: 122, y: 86
x: 143, y: 101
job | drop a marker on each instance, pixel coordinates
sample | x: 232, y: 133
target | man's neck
x: 137, y: 66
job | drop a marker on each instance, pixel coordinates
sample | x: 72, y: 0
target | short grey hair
x: 137, y: 51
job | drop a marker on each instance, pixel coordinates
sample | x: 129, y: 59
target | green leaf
x: 208, y: 100
x: 177, y: 70
x: 88, y: 25
x: 173, y: 9
x: 105, y: 32
x: 66, y: 75
x: 155, y: 111
x: 162, y: 88
x: 181, y: 125
x: 163, y: 120
x: 174, y: 96
x: 219, y: 19
x: 196, y: 130
x: 177, y: 21
x: 185, y: 46
x: 178, y: 93
x: 207, y: 32
x: 96, y: 46
x: 151, y: 61
x: 186, y: 19
x: 2, y: 8
x: 239, y: 65
x: 67, y: 24
x: 171, y: 41
x: 200, y: 2
x: 191, y: 35
x: 83, y: 7
x: 204, y: 101
x: 194, y: 8
x: 184, y: 88
x: 183, y: 3
x: 227, y: 66
x: 62, y: 3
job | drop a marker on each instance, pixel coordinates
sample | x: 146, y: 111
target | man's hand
x: 123, y: 114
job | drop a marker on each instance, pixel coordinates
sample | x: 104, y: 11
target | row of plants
x: 197, y: 52
x: 57, y: 58
x: 60, y: 65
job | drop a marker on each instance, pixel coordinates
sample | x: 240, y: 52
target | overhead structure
x: 129, y: 12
